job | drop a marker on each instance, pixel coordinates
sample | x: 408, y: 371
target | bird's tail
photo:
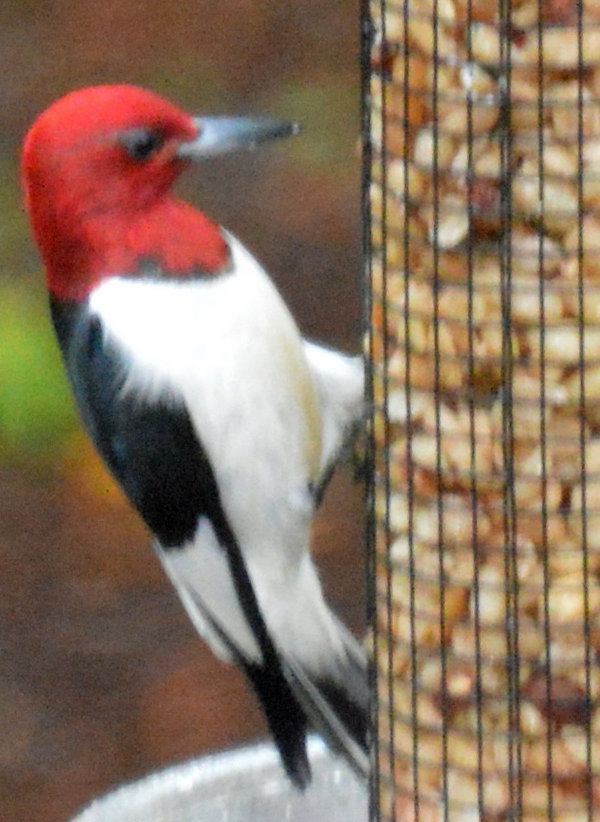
x: 337, y: 701
x: 308, y: 669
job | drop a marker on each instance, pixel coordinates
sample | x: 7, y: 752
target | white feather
x: 203, y: 559
x: 340, y: 383
x: 269, y: 410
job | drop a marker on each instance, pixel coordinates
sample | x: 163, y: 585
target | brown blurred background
x: 101, y: 676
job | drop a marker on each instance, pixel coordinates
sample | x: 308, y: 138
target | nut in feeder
x: 485, y: 342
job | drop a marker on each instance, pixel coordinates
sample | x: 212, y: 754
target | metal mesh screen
x: 483, y: 172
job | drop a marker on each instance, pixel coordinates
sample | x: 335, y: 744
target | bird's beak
x: 220, y: 135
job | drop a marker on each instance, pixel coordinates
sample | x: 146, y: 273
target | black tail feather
x: 336, y: 713
x: 290, y: 700
x: 286, y: 719
x: 353, y: 717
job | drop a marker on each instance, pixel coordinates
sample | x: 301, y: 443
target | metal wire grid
x: 480, y: 729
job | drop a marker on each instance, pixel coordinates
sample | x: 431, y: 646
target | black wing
x: 154, y: 452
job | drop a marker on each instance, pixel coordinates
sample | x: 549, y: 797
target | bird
x: 220, y: 422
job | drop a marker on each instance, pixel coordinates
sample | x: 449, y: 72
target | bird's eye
x: 141, y: 143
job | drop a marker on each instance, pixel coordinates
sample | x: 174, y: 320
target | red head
x: 98, y: 166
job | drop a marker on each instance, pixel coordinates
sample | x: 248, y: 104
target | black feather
x: 150, y: 448
x: 338, y: 708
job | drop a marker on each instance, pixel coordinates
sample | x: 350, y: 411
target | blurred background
x: 101, y: 677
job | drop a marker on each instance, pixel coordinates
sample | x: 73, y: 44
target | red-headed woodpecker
x: 219, y: 421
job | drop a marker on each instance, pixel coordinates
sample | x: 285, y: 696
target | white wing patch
x: 200, y: 573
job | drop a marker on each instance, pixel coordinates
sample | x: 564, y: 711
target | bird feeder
x: 484, y: 172
x: 244, y: 785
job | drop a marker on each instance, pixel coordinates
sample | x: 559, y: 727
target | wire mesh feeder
x: 485, y: 282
